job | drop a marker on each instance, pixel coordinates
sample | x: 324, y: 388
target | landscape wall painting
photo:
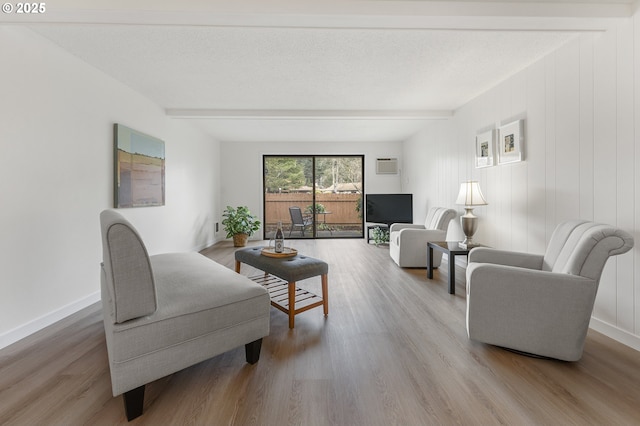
x: 139, y: 169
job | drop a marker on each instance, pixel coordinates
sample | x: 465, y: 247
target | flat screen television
x: 389, y: 208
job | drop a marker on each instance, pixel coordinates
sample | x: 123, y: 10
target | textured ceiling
x: 338, y: 77
x: 317, y: 69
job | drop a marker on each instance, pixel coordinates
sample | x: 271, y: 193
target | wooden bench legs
x: 304, y: 299
x: 325, y: 294
x: 292, y: 303
x: 285, y: 295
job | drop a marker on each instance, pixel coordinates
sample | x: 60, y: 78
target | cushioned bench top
x: 289, y: 269
x: 197, y: 297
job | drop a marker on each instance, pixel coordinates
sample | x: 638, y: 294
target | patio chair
x: 298, y: 221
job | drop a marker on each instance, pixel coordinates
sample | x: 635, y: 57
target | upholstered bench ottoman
x: 281, y: 274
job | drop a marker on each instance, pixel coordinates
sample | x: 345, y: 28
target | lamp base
x: 468, y: 245
x: 469, y: 223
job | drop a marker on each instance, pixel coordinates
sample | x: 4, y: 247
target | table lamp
x: 469, y: 196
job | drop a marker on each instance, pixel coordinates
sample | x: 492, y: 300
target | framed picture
x: 484, y: 149
x: 511, y: 142
x: 139, y: 169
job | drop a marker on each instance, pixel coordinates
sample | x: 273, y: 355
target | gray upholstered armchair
x: 167, y: 312
x: 541, y: 304
x: 408, y: 242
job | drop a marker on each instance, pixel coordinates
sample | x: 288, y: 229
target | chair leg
x: 252, y: 351
x: 133, y: 402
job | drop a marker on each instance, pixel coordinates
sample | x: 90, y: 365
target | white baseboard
x: 37, y: 324
x: 46, y: 320
x: 208, y: 244
x: 616, y: 333
x: 201, y: 247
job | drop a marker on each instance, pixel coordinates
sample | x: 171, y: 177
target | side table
x: 451, y: 249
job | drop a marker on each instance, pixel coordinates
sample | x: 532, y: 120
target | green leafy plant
x: 319, y: 208
x: 359, y: 207
x: 239, y: 221
x: 380, y: 235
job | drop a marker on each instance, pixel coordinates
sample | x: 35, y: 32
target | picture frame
x: 511, y: 142
x: 139, y: 169
x: 485, y: 142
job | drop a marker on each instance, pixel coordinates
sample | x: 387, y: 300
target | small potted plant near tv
x: 239, y: 224
x: 380, y: 236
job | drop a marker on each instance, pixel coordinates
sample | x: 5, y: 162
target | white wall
x: 582, y: 159
x: 242, y: 168
x: 56, y: 174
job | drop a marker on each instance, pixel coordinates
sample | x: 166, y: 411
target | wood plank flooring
x: 393, y: 351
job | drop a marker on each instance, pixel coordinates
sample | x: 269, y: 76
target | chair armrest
x: 412, y: 236
x: 504, y: 257
x: 399, y: 226
x: 486, y: 277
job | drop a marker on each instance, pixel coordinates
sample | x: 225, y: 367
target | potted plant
x: 239, y: 224
x: 380, y: 236
x: 317, y: 208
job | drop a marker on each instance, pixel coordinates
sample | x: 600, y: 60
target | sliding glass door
x: 313, y: 196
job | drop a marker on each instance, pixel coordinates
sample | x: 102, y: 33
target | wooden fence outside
x: 340, y: 208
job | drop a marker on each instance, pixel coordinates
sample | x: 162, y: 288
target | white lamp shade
x: 470, y: 194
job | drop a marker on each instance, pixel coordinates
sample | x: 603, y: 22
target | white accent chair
x: 408, y: 242
x: 169, y: 311
x: 541, y: 304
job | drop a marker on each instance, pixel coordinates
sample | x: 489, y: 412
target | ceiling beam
x: 454, y: 15
x: 308, y: 114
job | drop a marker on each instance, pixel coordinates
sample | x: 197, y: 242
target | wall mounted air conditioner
x: 387, y: 166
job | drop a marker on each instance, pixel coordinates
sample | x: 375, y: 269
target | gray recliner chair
x: 408, y: 242
x: 541, y: 304
x: 166, y: 312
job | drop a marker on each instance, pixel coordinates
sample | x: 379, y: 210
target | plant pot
x: 240, y: 240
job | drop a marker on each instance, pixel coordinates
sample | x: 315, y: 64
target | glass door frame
x: 313, y: 158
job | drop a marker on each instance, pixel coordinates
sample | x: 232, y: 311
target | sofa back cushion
x: 127, y: 270
x: 439, y: 218
x: 582, y: 248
